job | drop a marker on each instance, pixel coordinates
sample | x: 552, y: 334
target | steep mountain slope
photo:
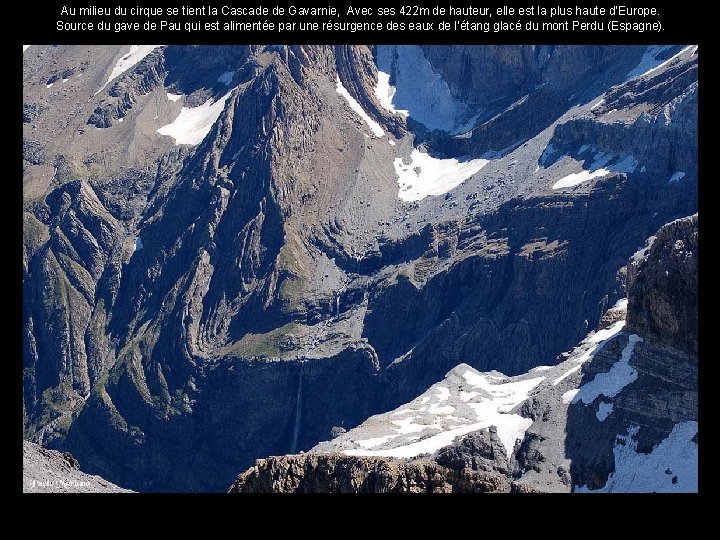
x: 49, y: 471
x: 619, y: 414
x: 230, y: 250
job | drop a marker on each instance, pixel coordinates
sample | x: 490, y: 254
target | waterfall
x: 298, y: 413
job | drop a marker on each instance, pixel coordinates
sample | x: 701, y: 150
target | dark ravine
x: 175, y: 296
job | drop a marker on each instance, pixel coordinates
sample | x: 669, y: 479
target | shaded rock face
x: 663, y: 288
x: 519, y: 91
x: 663, y: 310
x: 49, y: 471
x: 619, y: 413
x: 188, y: 309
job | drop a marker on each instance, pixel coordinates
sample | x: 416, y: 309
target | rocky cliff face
x: 223, y: 259
x: 332, y: 473
x: 663, y: 281
x: 619, y: 413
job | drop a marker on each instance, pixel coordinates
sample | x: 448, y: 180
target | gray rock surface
x: 49, y: 471
x: 663, y: 287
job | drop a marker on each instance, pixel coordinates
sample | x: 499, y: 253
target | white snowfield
x: 376, y: 129
x: 597, y: 340
x: 672, y: 466
x: 610, y: 384
x: 128, y: 60
x: 465, y: 401
x: 194, y: 123
x: 676, y: 177
x: 173, y: 97
x: 649, y: 63
x: 602, y: 165
x: 423, y: 95
x: 418, y: 92
x: 604, y: 411
x: 226, y: 78
x: 425, y: 175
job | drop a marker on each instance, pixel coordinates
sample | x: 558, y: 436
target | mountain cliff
x: 228, y: 251
x: 618, y: 414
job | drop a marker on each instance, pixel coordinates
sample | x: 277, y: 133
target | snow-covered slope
x: 421, y: 174
x: 544, y: 417
x: 355, y: 106
x: 193, y: 123
x: 417, y: 91
x: 671, y: 466
x: 465, y: 401
x: 134, y: 56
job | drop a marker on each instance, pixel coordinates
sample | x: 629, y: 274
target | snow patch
x: 540, y: 368
x: 138, y: 244
x: 424, y: 446
x: 441, y: 409
x: 568, y: 396
x: 193, y: 124
x: 406, y: 411
x: 384, y: 92
x: 599, y: 167
x: 495, y: 411
x: 604, y: 411
x: 419, y: 92
x: 676, y: 177
x: 445, y: 412
x: 443, y: 393
x: 173, y: 97
x: 672, y: 466
x: 226, y: 78
x: 649, y: 62
x: 549, y: 150
x: 355, y: 106
x: 408, y: 425
x: 598, y: 340
x: 136, y: 54
x: 375, y: 441
x: 425, y: 175
x: 611, y: 383
x: 610, y: 331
